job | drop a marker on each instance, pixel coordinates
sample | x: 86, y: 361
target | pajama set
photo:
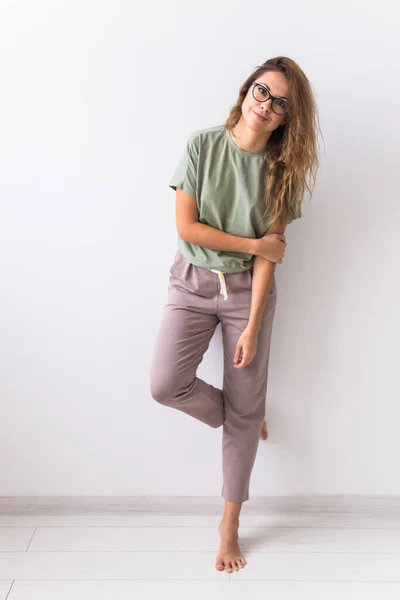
x: 208, y: 287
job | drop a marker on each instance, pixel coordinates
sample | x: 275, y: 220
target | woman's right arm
x: 271, y: 246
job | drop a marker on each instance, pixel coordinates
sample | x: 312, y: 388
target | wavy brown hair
x: 292, y: 158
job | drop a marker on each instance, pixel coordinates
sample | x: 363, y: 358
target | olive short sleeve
x: 185, y: 175
x: 297, y: 211
x: 298, y: 214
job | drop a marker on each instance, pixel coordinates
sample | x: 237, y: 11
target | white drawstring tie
x: 222, y: 282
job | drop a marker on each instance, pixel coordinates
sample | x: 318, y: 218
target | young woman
x: 237, y: 187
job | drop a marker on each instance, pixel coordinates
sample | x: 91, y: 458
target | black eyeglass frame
x: 255, y: 83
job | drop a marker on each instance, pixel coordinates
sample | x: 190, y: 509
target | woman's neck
x: 247, y: 139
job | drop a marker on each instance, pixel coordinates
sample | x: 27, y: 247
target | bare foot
x: 264, y: 432
x: 229, y: 556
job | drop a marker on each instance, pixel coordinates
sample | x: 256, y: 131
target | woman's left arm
x: 263, y: 275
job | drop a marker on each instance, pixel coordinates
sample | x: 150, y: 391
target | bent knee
x: 163, y: 391
x: 158, y: 392
x: 169, y: 389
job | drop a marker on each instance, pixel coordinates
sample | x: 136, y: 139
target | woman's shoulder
x: 205, y: 136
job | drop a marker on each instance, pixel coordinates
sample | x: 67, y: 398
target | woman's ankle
x: 228, y: 520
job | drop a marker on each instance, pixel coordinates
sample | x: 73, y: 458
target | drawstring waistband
x: 222, y: 282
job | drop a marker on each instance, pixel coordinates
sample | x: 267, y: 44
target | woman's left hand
x: 246, y: 348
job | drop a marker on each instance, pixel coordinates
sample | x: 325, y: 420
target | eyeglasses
x: 261, y: 94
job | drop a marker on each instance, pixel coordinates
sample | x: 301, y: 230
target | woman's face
x: 278, y: 86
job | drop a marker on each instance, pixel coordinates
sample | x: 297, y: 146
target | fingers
x: 245, y: 360
x: 237, y: 353
x: 239, y: 363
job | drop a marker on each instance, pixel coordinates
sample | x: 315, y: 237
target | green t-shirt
x: 229, y: 186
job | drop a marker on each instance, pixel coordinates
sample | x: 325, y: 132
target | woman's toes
x: 219, y: 566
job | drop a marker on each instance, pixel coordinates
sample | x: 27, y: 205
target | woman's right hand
x: 272, y: 247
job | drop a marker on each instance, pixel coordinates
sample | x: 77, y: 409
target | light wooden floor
x: 172, y: 557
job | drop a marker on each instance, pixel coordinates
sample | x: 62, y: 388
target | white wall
x: 97, y: 100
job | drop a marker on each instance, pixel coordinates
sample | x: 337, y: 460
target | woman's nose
x: 265, y: 103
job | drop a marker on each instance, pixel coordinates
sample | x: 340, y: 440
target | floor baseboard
x: 382, y: 506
